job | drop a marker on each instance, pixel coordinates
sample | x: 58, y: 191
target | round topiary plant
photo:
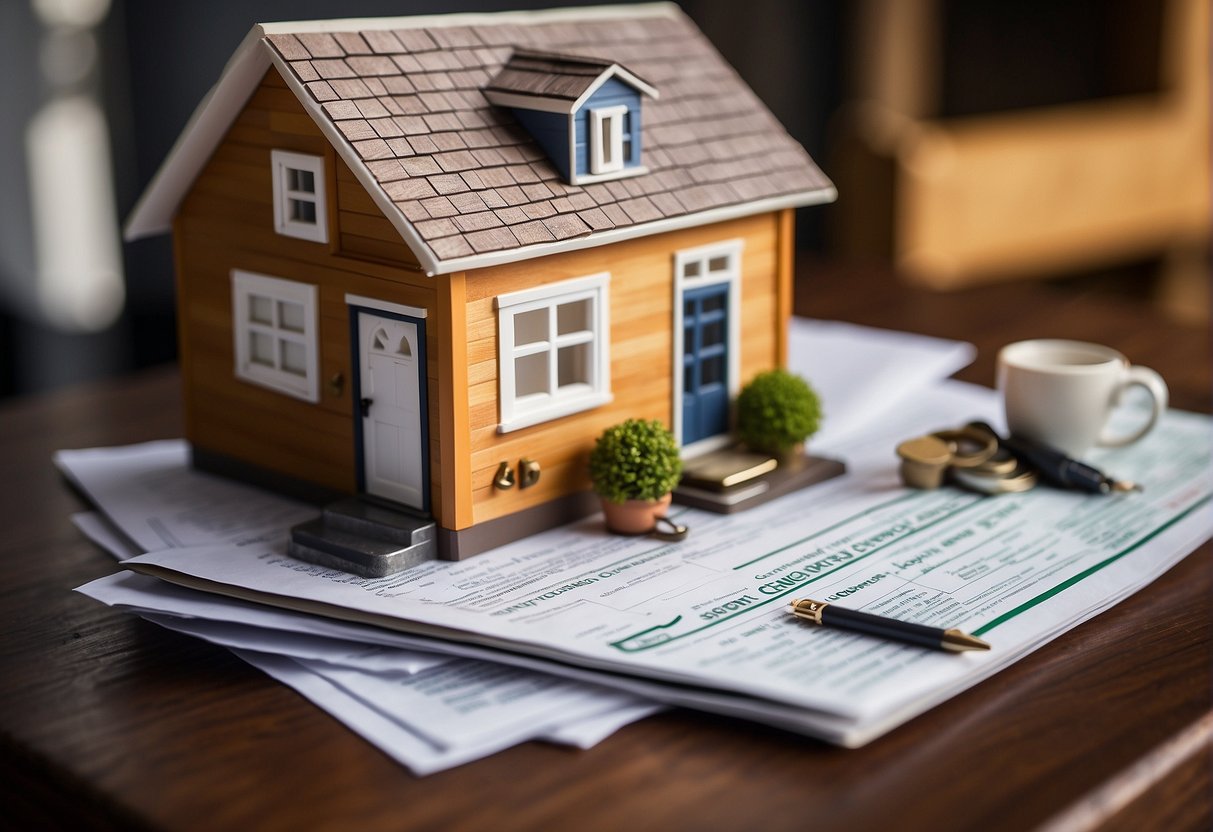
x: 777, y: 411
x: 635, y: 460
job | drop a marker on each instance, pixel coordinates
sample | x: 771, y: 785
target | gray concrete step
x: 359, y: 516
x: 365, y: 551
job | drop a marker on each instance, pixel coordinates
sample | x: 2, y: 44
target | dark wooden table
x: 113, y: 722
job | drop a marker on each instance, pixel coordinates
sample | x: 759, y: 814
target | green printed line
x: 1081, y: 576
x: 827, y: 529
x: 619, y: 645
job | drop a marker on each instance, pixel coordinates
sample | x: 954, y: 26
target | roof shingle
x: 410, y: 102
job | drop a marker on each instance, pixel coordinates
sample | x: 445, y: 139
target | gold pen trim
x: 956, y: 641
x: 808, y: 610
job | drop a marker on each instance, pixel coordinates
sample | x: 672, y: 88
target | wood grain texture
x: 785, y: 275
x: 452, y: 393
x: 1039, y: 191
x: 110, y: 722
x: 226, y: 223
x: 641, y: 306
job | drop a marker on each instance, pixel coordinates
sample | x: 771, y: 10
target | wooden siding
x: 641, y: 310
x: 225, y: 223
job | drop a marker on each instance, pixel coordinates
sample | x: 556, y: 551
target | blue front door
x: 705, y: 362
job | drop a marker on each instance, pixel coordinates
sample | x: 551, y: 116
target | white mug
x: 1062, y: 393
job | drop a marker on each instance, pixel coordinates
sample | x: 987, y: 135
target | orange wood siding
x: 363, y: 230
x: 785, y: 267
x: 226, y: 223
x: 641, y: 310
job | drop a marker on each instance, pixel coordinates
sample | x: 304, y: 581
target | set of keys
x: 975, y: 457
x: 970, y: 456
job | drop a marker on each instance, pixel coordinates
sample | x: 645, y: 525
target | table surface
x: 109, y: 718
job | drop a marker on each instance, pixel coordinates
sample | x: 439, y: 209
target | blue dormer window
x: 584, y: 112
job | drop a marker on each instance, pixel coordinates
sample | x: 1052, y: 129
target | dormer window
x: 584, y: 112
x: 299, y: 199
x: 610, y: 151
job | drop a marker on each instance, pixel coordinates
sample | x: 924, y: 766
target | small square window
x: 290, y: 316
x: 294, y: 358
x: 302, y: 180
x: 303, y: 211
x: 553, y: 352
x: 275, y: 334
x: 531, y: 327
x: 299, y: 198
x: 531, y: 374
x: 573, y: 317
x: 261, y: 310
x: 572, y: 365
x: 261, y: 349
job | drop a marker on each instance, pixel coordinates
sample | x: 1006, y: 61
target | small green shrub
x: 635, y: 460
x: 776, y: 411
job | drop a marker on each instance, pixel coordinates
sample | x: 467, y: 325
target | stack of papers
x: 570, y: 634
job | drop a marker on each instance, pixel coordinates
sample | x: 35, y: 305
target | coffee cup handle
x: 1157, y: 388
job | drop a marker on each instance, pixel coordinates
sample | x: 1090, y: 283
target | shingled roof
x: 551, y: 75
x: 403, y: 102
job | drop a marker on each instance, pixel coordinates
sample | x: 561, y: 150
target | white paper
x: 711, y: 611
x: 345, y: 654
x: 140, y: 594
x: 864, y: 374
x: 570, y: 620
x: 467, y: 703
x: 191, y: 508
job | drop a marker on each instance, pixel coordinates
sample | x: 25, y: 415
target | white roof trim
x: 432, y: 21
x: 154, y: 212
x: 615, y: 235
x: 608, y: 73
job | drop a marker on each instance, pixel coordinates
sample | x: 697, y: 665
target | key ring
x: 986, y: 445
x: 1020, y: 479
x: 666, y: 529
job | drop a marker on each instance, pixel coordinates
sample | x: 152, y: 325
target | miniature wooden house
x: 431, y: 259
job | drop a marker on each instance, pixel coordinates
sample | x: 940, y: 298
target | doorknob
x: 366, y: 407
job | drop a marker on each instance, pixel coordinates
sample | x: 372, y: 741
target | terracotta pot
x: 634, y: 516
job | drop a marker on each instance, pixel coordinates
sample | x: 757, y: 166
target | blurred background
x: 971, y: 140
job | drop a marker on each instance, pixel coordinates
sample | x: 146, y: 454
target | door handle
x: 366, y: 407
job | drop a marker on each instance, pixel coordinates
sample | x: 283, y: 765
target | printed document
x: 709, y: 614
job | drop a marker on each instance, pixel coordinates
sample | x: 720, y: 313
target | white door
x: 391, y: 409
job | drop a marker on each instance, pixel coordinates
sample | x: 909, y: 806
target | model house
x: 430, y: 259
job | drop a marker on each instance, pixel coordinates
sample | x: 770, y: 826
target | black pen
x: 1059, y: 469
x: 828, y: 615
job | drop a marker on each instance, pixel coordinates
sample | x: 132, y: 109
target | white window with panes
x: 299, y: 198
x: 554, y: 356
x: 275, y: 331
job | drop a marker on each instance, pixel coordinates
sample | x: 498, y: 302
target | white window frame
x: 246, y: 286
x: 731, y: 250
x: 282, y: 162
x: 523, y: 411
x: 613, y: 116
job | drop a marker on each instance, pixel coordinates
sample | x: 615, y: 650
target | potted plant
x: 634, y: 466
x: 776, y: 412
